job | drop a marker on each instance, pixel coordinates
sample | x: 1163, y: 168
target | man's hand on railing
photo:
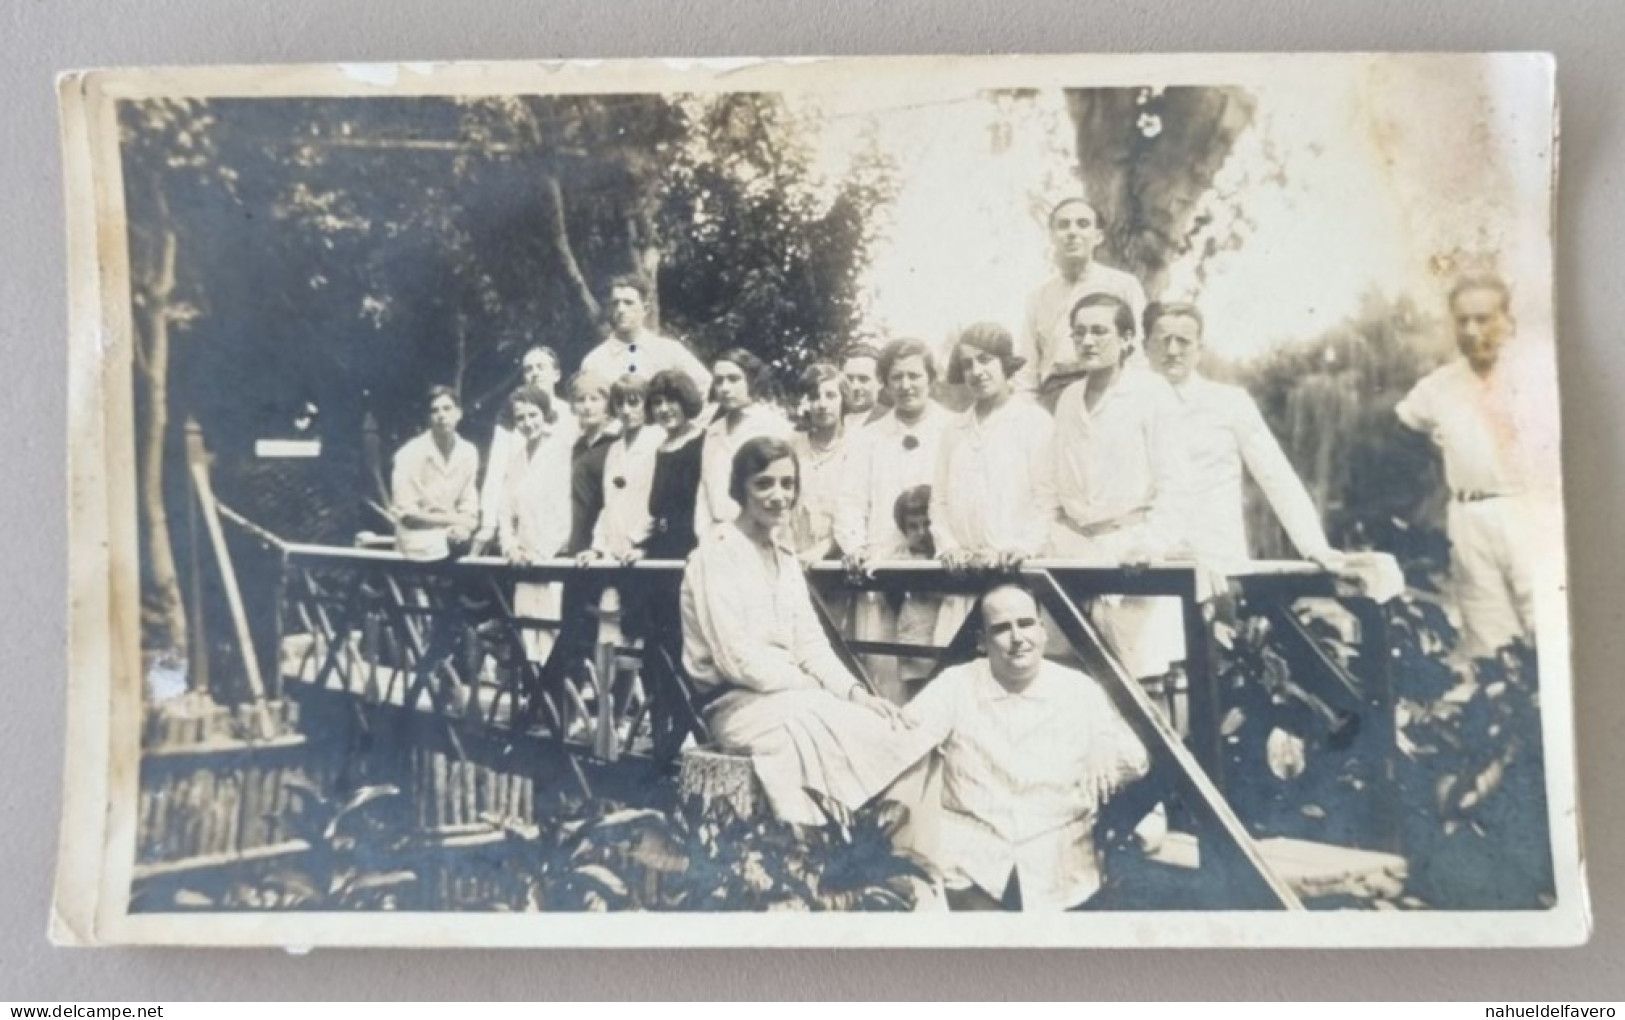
x: 959, y: 561
x: 587, y: 557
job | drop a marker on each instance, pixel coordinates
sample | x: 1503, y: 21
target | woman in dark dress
x: 674, y: 404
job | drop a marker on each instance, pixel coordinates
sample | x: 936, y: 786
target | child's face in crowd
x: 917, y: 532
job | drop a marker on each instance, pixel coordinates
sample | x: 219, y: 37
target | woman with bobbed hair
x: 675, y: 404
x: 769, y: 683
x: 738, y: 387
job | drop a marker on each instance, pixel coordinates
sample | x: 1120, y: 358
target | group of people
x: 1074, y: 445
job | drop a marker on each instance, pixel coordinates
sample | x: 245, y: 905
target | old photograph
x: 980, y: 501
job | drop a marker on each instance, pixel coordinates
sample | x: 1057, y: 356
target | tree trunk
x: 1146, y: 160
x: 559, y: 235
x: 153, y: 374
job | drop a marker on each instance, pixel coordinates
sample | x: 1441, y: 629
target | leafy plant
x: 709, y: 857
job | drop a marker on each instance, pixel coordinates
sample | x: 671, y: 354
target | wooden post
x: 1378, y: 683
x: 234, y: 596
x: 197, y: 672
x: 1206, y: 740
x: 372, y: 452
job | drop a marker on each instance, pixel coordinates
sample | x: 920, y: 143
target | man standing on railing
x: 1030, y: 751
x: 1121, y: 468
x: 1466, y: 409
x: 1226, y: 435
x: 1075, y: 230
x: 632, y: 348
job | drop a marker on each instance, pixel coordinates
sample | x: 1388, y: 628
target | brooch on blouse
x: 911, y: 442
x: 618, y: 482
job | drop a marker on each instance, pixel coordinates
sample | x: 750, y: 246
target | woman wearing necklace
x: 770, y: 684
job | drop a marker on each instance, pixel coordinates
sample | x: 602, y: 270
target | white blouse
x: 747, y: 626
x: 995, y: 481
x: 629, y: 474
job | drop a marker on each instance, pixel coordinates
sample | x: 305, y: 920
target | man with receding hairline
x: 1465, y: 408
x: 1030, y: 750
x: 1227, y: 440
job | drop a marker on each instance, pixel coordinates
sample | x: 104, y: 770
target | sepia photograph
x: 899, y: 501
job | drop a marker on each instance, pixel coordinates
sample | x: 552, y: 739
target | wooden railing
x: 443, y: 638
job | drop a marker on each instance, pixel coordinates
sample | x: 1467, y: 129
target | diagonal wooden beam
x: 1221, y: 831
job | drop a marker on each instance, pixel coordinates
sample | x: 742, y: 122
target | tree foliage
x: 347, y: 253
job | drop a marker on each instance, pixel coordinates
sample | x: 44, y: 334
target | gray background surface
x: 42, y: 37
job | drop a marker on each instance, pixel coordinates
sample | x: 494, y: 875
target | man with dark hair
x: 435, y: 502
x: 1227, y: 437
x: 1030, y: 751
x: 1466, y: 409
x: 1121, y: 468
x: 860, y: 364
x: 632, y: 348
x: 1075, y: 230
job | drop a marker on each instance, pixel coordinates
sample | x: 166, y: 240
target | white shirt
x: 747, y: 626
x: 629, y: 474
x: 534, y: 519
x: 644, y: 355
x: 886, y: 458
x: 1047, y: 338
x: 424, y: 481
x: 1023, y: 777
x: 1126, y: 455
x: 814, y: 521
x: 500, y: 457
x: 1225, y: 433
x: 995, y: 480
x: 1471, y: 421
x: 713, y: 504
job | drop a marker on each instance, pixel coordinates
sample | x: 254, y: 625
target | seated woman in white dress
x: 770, y: 684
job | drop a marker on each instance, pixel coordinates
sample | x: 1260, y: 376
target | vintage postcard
x: 1066, y: 500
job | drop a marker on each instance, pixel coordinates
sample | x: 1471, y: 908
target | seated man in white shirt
x: 1030, y: 751
x: 632, y: 348
x: 1226, y: 435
